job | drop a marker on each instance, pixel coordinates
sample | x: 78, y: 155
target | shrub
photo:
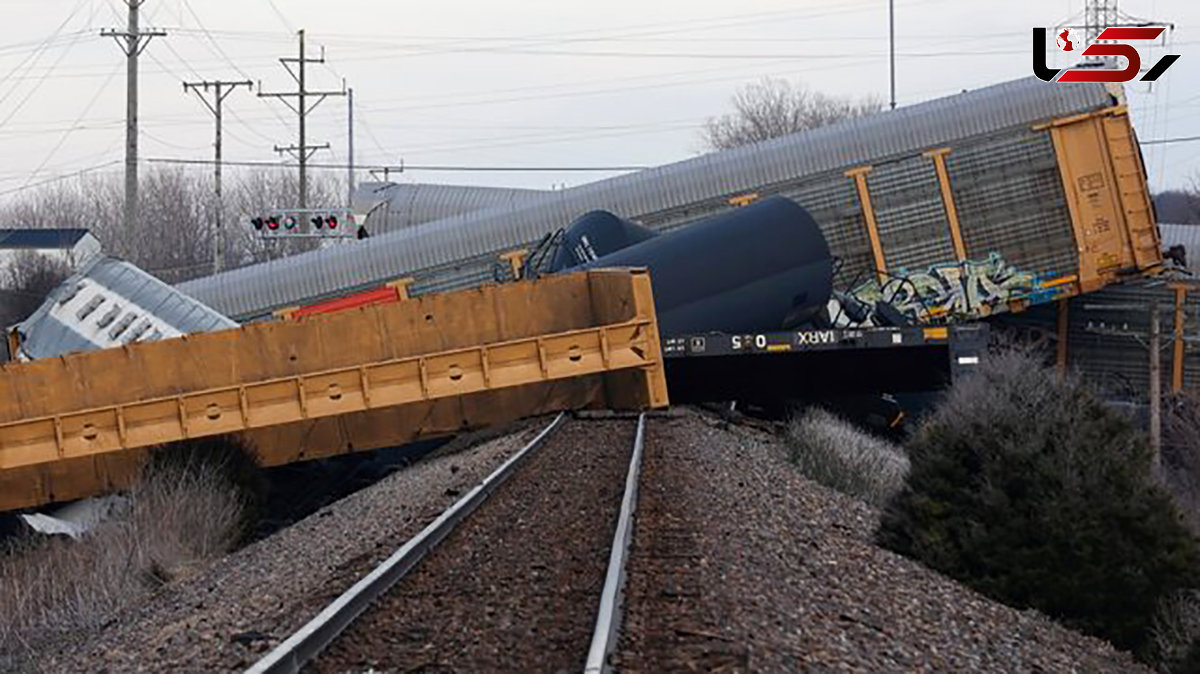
x: 189, y: 506
x: 1029, y: 489
x: 839, y: 455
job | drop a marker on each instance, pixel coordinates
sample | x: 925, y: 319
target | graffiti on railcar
x: 973, y: 288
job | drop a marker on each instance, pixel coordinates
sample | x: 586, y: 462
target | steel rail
x: 612, y: 598
x: 308, y: 642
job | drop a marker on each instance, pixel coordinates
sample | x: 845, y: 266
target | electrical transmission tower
x: 221, y: 89
x: 302, y: 151
x: 1098, y: 15
x: 132, y: 41
x: 1101, y: 14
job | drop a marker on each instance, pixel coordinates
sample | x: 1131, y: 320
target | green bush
x: 1029, y: 489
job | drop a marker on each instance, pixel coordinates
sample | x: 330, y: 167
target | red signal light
x: 332, y: 222
x: 273, y: 223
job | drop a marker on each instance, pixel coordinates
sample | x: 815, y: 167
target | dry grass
x: 188, y: 508
x: 839, y: 455
x: 1174, y: 637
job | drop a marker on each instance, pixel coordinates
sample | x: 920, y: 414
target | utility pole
x: 302, y: 150
x: 350, y: 148
x: 132, y: 41
x: 892, y: 48
x: 221, y: 89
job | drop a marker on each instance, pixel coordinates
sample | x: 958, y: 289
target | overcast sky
x: 519, y: 82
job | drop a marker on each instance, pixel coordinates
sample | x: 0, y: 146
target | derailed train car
x: 764, y: 267
x: 975, y: 204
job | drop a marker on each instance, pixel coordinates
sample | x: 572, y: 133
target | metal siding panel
x: 913, y: 229
x: 1010, y: 202
x: 1119, y: 365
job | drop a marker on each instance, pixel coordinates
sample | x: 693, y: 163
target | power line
x: 283, y: 19
x: 809, y: 56
x: 37, y: 85
x: 1164, y: 141
x: 166, y: 143
x: 18, y: 47
x: 370, y: 131
x: 182, y: 122
x: 467, y: 44
x: 215, y: 65
x: 399, y: 168
x: 61, y: 178
x: 368, y: 41
x: 41, y: 48
x: 21, y: 177
x: 522, y: 140
x: 67, y: 134
x: 302, y: 150
x: 184, y: 62
x: 740, y: 76
x: 223, y: 54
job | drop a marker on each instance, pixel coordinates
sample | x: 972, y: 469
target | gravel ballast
x: 740, y: 563
x: 225, y: 617
x: 516, y: 585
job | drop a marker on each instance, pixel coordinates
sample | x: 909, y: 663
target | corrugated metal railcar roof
x: 255, y: 290
x: 110, y: 302
x: 393, y: 206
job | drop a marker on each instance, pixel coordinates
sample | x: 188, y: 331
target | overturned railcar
x: 966, y: 206
x: 763, y: 267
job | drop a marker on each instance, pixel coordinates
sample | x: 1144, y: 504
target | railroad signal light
x: 325, y: 223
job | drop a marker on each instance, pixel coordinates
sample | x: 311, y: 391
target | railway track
x: 528, y: 579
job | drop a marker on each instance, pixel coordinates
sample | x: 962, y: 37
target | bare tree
x: 24, y: 283
x: 172, y: 238
x: 1179, y: 207
x: 773, y: 107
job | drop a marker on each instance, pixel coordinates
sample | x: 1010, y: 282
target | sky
x: 519, y: 83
